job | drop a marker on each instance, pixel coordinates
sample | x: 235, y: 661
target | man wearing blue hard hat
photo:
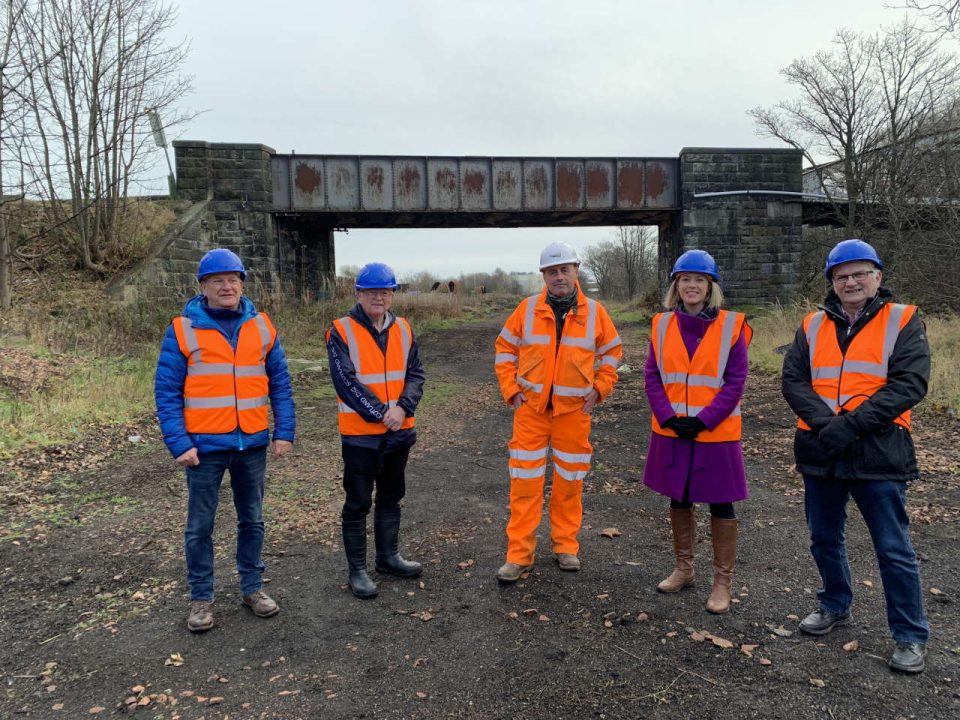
x: 220, y: 365
x: 378, y: 377
x: 856, y: 368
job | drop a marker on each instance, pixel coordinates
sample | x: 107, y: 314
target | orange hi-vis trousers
x: 569, y: 437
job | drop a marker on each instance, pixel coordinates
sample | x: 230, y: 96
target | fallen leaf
x: 867, y: 583
x: 672, y: 633
x: 143, y: 702
x: 817, y: 682
x: 642, y: 617
x: 936, y: 591
x: 530, y: 611
x: 57, y: 706
x: 421, y: 695
x: 610, y: 532
x: 137, y: 689
x: 748, y: 649
x: 513, y: 616
x: 603, y: 596
x: 96, y: 709
x: 466, y: 564
x: 285, y: 692
x: 794, y: 618
x: 780, y: 631
x: 766, y: 661
x: 176, y: 660
x: 697, y: 637
x: 721, y: 642
x: 608, y: 623
x: 543, y: 618
x: 852, y: 646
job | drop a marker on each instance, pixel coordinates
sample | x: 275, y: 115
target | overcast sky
x: 495, y: 78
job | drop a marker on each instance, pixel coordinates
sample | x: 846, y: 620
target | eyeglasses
x: 858, y: 276
x: 377, y: 293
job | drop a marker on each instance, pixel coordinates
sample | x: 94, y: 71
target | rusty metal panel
x: 410, y: 183
x: 570, y: 177
x: 376, y: 183
x: 280, y: 165
x: 660, y: 183
x: 600, y: 181
x: 306, y: 174
x: 538, y: 184
x: 443, y: 184
x: 507, y: 184
x: 343, y: 183
x: 475, y: 184
x: 630, y: 184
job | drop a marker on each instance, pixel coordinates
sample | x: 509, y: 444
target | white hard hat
x: 558, y: 253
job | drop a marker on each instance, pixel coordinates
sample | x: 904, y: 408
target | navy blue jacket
x: 361, y: 398
x: 172, y: 373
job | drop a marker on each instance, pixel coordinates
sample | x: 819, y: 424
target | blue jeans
x: 883, y: 506
x: 247, y: 469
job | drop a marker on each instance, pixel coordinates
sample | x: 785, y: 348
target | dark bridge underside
x: 526, y: 218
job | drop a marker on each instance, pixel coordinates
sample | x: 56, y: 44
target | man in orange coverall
x: 557, y: 358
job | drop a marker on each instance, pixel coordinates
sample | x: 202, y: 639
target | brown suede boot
x: 684, y: 527
x: 724, y: 533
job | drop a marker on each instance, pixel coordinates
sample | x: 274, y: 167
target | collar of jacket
x: 834, y: 308
x: 196, y: 310
x: 544, y: 307
x: 357, y: 313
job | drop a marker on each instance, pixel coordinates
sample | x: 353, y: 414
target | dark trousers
x: 364, y: 468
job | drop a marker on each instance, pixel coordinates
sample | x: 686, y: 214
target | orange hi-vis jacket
x: 384, y: 374
x: 844, y: 381
x: 226, y: 388
x: 691, y: 383
x: 529, y: 360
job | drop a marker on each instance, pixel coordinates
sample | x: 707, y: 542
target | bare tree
x: 944, y: 16
x: 111, y: 64
x: 624, y: 267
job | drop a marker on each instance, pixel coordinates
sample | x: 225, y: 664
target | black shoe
x: 821, y: 621
x: 355, y: 547
x: 386, y: 530
x: 909, y: 657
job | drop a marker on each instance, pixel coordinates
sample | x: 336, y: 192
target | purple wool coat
x: 713, y: 471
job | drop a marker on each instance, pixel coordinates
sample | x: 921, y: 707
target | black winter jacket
x: 882, y: 450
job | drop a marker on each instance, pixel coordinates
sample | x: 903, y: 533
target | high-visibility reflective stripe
x: 566, y: 391
x: 352, y: 348
x: 380, y: 378
x: 610, y: 360
x: 344, y: 408
x: 691, y: 410
x: 249, y: 370
x: 661, y: 334
x: 704, y: 381
x: 527, y: 473
x: 528, y: 454
x: 865, y: 367
x: 679, y: 407
x: 509, y: 337
x: 589, y: 340
x: 264, y: 334
x: 572, y: 475
x: 831, y: 372
x: 572, y: 457
x: 892, y: 332
x: 670, y: 378
x: 504, y: 357
x: 829, y: 402
x: 536, y: 387
x: 251, y: 403
x: 405, y: 343
x: 210, y: 369
x: 813, y: 331
x: 609, y: 346
x: 528, y: 337
x: 208, y: 403
x: 726, y: 338
x: 190, y: 338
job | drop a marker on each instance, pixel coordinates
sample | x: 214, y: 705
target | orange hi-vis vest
x: 844, y: 381
x: 224, y: 387
x: 529, y: 359
x: 691, y: 383
x: 385, y: 375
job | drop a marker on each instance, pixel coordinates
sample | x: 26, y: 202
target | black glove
x: 688, y: 427
x: 670, y: 422
x: 838, y: 434
x: 818, y: 423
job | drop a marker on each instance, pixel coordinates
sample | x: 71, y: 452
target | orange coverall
x: 555, y: 378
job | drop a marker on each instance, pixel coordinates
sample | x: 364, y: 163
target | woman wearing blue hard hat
x: 857, y: 366
x: 694, y: 377
x: 378, y: 377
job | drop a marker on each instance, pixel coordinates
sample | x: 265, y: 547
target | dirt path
x: 95, y: 599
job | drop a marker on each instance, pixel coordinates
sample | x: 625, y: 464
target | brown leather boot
x: 684, y: 527
x: 724, y: 533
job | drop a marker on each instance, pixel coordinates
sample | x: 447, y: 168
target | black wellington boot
x: 355, y: 547
x: 386, y: 526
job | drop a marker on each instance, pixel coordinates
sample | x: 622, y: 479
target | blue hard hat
x: 220, y: 260
x: 376, y: 275
x: 696, y: 261
x: 850, y: 251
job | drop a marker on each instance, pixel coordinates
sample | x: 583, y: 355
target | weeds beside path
x: 93, y: 622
